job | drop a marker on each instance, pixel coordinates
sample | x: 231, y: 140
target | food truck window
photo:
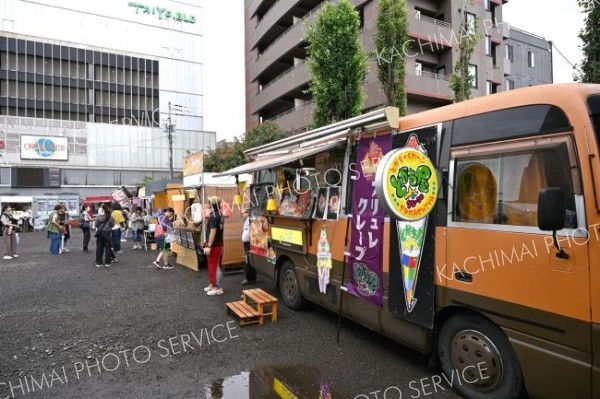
x: 502, y: 187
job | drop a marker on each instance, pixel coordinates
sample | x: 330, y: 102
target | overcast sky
x: 223, y: 25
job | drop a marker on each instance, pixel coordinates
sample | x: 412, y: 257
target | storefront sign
x: 193, y: 164
x: 366, y: 234
x: 407, y: 183
x: 289, y: 238
x: 162, y: 12
x: 44, y: 147
x: 407, y: 186
x: 178, y: 197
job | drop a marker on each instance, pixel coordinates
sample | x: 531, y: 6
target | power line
x: 565, y: 58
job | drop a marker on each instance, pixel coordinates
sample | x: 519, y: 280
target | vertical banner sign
x: 366, y: 234
x: 408, y: 187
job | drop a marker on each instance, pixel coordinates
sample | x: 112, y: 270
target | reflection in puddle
x: 276, y: 382
x: 231, y: 387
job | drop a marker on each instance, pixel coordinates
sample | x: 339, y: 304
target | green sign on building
x: 162, y: 12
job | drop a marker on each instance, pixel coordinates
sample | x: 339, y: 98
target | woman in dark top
x: 214, y: 244
x: 104, y: 225
x: 84, y: 223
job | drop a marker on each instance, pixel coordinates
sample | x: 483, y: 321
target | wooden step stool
x: 244, y: 311
x: 266, y: 305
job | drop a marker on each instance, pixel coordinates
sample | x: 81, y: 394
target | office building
x: 529, y: 60
x: 87, y: 91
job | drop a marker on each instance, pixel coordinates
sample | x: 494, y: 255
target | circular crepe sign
x: 406, y: 183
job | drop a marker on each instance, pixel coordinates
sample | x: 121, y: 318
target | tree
x: 390, y: 40
x: 145, y: 180
x: 231, y: 155
x: 461, y: 80
x: 337, y: 63
x: 590, y: 36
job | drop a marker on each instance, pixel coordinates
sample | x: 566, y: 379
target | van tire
x: 467, y: 340
x: 289, y: 287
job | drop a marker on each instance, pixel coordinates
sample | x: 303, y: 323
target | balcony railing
x: 283, y: 74
x: 437, y: 22
x: 428, y: 84
x: 289, y: 111
x: 285, y: 32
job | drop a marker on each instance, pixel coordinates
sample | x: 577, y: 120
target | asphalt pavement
x: 71, y: 330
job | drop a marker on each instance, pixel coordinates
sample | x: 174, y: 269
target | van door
x: 593, y: 132
x: 499, y: 264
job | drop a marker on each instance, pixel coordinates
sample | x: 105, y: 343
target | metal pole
x: 170, y: 135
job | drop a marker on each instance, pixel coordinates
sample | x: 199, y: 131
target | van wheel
x: 290, y: 288
x: 478, y: 360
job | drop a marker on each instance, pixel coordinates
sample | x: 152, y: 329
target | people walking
x: 119, y: 219
x: 85, y: 221
x: 65, y: 231
x: 9, y: 230
x: 104, y: 237
x: 165, y: 224
x: 248, y: 269
x: 214, y: 244
x: 137, y: 227
x: 53, y: 228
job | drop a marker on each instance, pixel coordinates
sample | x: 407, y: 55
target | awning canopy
x: 281, y: 157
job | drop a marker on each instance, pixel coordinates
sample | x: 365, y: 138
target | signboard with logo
x: 162, y: 12
x: 407, y: 186
x: 289, y: 238
x: 44, y: 148
x: 193, y: 164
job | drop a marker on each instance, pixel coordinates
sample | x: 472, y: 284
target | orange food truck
x: 469, y: 232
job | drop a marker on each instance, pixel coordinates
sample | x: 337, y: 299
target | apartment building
x: 528, y: 60
x: 277, y: 76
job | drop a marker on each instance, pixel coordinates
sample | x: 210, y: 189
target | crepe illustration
x: 410, y: 235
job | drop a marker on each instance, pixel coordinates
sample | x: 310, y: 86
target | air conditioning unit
x: 417, y: 14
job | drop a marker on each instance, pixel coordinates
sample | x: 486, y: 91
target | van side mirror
x: 551, y: 214
x: 551, y: 209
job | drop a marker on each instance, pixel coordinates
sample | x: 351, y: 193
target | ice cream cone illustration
x: 410, y: 236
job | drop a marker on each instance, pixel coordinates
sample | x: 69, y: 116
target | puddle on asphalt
x: 274, y: 381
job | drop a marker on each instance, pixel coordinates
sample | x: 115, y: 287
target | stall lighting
x: 271, y: 205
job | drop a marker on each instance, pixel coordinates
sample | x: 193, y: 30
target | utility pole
x: 170, y: 136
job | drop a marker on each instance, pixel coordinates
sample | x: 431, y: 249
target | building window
x: 488, y: 45
x: 503, y: 187
x: 489, y: 87
x: 441, y: 72
x: 509, y: 84
x: 473, y: 74
x: 470, y: 22
x: 508, y: 52
x: 418, y: 69
x: 531, y: 59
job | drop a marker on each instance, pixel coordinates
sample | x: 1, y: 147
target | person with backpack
x: 84, y: 223
x: 104, y: 237
x: 164, y: 237
x: 53, y: 228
